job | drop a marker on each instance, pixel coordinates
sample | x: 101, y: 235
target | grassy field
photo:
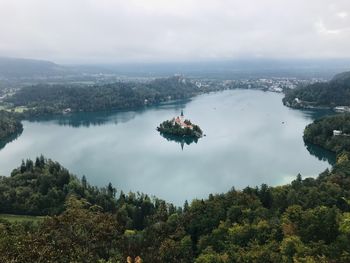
x: 21, y: 218
x: 20, y: 109
x: 8, y: 107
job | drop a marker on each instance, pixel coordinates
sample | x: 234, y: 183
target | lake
x: 251, y: 138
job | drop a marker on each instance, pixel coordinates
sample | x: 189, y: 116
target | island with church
x: 180, y: 127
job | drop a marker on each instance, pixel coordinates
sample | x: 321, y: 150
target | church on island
x: 180, y: 120
x: 181, y: 127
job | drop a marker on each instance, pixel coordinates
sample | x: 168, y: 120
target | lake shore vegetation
x: 10, y: 125
x: 304, y: 221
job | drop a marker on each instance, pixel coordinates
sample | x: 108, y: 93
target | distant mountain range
x: 229, y: 69
x: 24, y: 68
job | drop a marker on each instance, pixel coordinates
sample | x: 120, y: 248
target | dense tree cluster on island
x: 173, y: 128
x: 329, y: 94
x: 307, y: 220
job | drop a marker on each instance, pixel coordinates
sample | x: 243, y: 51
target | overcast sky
x: 75, y: 31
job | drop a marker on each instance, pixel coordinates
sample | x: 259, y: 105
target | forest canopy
x: 320, y: 132
x: 173, y: 128
x: 329, y: 94
x: 44, y: 99
x: 304, y: 221
x: 10, y: 125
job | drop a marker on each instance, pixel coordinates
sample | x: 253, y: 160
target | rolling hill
x: 330, y: 94
x: 29, y: 68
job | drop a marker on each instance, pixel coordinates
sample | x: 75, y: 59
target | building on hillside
x: 67, y: 110
x: 342, y: 109
x: 337, y: 132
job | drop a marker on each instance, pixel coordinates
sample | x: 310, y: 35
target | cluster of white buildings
x: 274, y: 84
x: 342, y: 109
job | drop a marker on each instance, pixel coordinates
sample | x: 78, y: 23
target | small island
x: 180, y: 127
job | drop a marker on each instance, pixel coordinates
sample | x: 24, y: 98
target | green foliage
x: 333, y: 93
x: 21, y: 218
x: 345, y: 224
x: 210, y: 256
x: 305, y: 221
x: 291, y: 246
x: 41, y: 188
x: 46, y: 99
x: 320, y: 132
x: 173, y: 128
x: 10, y: 125
x: 77, y: 235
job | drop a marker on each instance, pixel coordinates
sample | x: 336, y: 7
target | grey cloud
x: 173, y: 30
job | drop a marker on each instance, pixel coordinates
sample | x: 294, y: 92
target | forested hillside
x: 10, y: 125
x: 41, y: 188
x: 320, y: 132
x: 305, y: 221
x: 330, y: 94
x: 117, y: 96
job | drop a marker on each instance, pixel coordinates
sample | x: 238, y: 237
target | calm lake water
x: 251, y: 138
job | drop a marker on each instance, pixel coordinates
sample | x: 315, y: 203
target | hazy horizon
x: 155, y: 31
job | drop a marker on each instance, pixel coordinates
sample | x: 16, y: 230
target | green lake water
x: 251, y: 138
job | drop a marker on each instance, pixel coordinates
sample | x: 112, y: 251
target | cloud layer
x: 76, y: 31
